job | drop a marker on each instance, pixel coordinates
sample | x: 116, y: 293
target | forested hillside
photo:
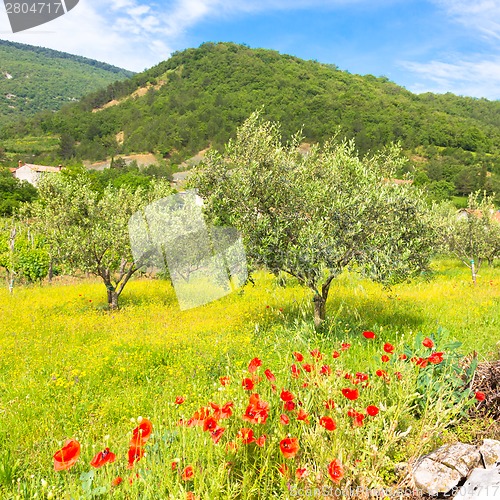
x: 34, y: 79
x: 199, y: 96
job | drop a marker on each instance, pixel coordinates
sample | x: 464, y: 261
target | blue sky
x: 424, y: 45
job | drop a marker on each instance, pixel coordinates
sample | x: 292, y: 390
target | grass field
x: 71, y: 369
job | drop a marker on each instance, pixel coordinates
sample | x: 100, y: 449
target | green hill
x: 34, y: 79
x: 199, y: 96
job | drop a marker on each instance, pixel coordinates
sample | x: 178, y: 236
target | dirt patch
x: 140, y: 92
x: 487, y: 380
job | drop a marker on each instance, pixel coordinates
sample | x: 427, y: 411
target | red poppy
x: 141, y: 433
x: 116, y: 481
x: 328, y: 423
x: 216, y: 434
x: 326, y: 370
x: 422, y: 362
x: 225, y: 380
x: 254, y: 364
x: 102, y: 458
x: 398, y: 375
x: 335, y: 354
x: 381, y: 373
x: 298, y: 357
x: 222, y: 412
x: 368, y: 335
x: 179, y: 400
x: 261, y: 441
x: 427, y: 342
x: 403, y: 357
x: 345, y: 346
x: 480, y: 396
x: 135, y: 453
x: 316, y: 354
x: 247, y: 384
x: 301, y: 473
x: 347, y: 376
x: 361, y: 376
x: 385, y: 358
x: 284, y: 420
x: 209, y: 424
x: 246, y: 435
x: 303, y: 416
x: 435, y: 358
x: 330, y: 404
x: 286, y: 396
x: 270, y: 375
x: 67, y: 456
x: 295, y: 371
x: 388, y: 348
x: 289, y: 405
x: 198, y: 417
x: 307, y: 367
x: 289, y: 447
x: 257, y: 411
x: 351, y: 394
x: 283, y: 470
x: 358, y: 420
x: 372, y: 410
x: 188, y: 473
x: 191, y: 496
x: 336, y: 471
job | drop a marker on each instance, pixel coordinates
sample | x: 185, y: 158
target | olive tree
x: 472, y: 235
x: 313, y: 215
x: 88, y: 231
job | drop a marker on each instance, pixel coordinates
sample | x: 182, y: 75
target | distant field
x: 71, y: 368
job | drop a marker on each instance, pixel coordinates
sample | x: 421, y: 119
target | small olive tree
x: 23, y: 254
x: 313, y: 215
x: 88, y: 231
x: 473, y: 234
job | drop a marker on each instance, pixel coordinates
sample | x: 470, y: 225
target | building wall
x: 26, y: 174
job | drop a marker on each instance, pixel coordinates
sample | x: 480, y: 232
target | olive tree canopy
x: 313, y: 215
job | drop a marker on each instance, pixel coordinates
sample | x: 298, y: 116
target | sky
x: 423, y: 45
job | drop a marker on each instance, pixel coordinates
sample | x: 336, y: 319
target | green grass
x: 70, y: 368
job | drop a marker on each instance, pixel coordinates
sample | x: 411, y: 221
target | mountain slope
x: 33, y: 79
x: 199, y: 96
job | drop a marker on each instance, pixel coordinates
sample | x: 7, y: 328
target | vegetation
x: 106, y: 368
x: 88, y: 231
x: 13, y: 192
x: 200, y: 96
x: 243, y: 397
x: 34, y: 79
x: 473, y: 235
x: 313, y: 215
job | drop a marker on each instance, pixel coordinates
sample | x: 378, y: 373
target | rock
x: 433, y: 477
x: 482, y: 484
x: 461, y: 457
x: 443, y: 469
x: 490, y: 451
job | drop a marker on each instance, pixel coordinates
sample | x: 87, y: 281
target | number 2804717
x: 33, y: 8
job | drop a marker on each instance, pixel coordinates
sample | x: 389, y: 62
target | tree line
x: 198, y: 98
x: 308, y: 215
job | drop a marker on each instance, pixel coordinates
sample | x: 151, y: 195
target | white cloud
x: 123, y: 33
x: 479, y: 78
x: 472, y: 74
x: 135, y: 34
x: 476, y: 15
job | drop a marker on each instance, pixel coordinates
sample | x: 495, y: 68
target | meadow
x: 71, y: 369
